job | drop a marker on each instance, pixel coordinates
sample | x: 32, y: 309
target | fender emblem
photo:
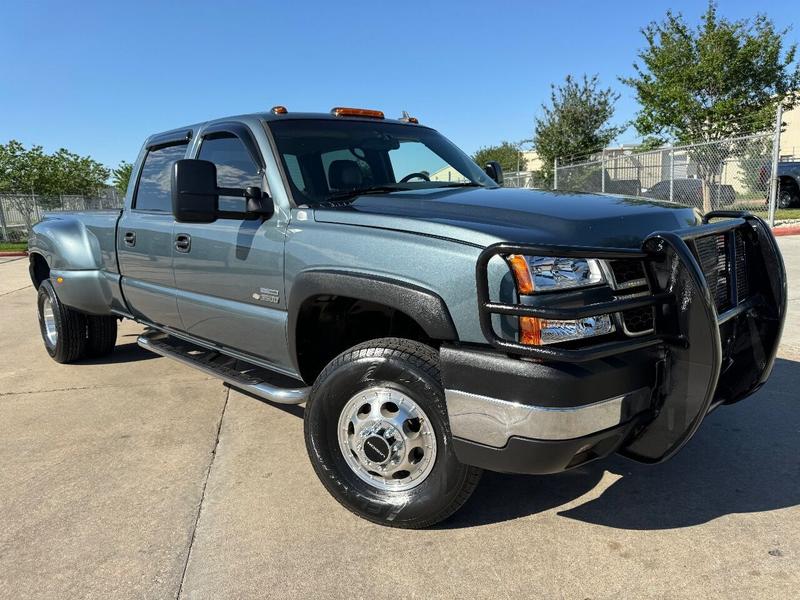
x: 267, y: 295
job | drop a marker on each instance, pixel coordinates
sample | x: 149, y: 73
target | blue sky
x: 97, y: 77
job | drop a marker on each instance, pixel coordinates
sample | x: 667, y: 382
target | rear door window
x: 154, y: 189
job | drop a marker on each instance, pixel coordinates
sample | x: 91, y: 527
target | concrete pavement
x: 136, y: 477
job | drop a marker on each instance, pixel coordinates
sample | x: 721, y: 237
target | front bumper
x: 521, y: 416
x: 542, y: 409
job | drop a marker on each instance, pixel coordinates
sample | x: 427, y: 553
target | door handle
x: 130, y: 238
x: 183, y: 242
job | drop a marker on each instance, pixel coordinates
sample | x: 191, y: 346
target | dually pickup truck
x: 433, y: 322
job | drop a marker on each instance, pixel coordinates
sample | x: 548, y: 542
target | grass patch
x: 787, y: 213
x: 13, y: 246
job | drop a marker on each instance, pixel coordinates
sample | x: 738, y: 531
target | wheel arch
x: 790, y: 181
x: 38, y: 268
x: 426, y: 309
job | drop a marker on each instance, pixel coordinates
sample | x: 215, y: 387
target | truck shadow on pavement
x: 745, y: 458
x: 124, y: 352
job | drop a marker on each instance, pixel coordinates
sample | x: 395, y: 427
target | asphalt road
x: 136, y: 477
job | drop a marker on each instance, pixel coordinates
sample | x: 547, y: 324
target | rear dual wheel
x: 70, y: 335
x: 378, y: 436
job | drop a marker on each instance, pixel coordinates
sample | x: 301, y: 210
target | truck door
x: 229, y: 274
x: 145, y: 238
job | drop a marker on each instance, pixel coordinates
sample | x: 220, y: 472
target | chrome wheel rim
x: 49, y: 320
x: 387, y: 439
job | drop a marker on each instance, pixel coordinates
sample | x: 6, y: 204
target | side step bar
x: 255, y: 380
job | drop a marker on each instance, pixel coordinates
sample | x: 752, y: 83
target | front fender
x: 424, y: 306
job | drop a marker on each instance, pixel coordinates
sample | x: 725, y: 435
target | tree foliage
x: 576, y: 122
x: 32, y: 171
x: 716, y: 80
x: 121, y: 176
x: 507, y: 154
x: 713, y: 81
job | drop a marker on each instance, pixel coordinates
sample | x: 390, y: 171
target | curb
x: 793, y: 230
x: 10, y: 254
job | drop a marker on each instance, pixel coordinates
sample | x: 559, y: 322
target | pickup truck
x: 433, y: 322
x: 788, y: 173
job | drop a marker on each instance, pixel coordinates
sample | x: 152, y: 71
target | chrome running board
x: 244, y: 376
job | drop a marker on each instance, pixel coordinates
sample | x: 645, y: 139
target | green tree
x: 576, y: 122
x: 507, y: 154
x: 26, y: 174
x: 121, y: 176
x: 716, y: 80
x: 712, y: 81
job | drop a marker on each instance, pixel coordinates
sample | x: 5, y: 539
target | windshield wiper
x: 352, y: 194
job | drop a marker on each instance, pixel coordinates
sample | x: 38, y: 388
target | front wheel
x: 378, y: 436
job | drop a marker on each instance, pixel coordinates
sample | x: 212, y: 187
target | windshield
x: 326, y: 159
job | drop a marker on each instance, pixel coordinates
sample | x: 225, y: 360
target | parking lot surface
x: 137, y: 477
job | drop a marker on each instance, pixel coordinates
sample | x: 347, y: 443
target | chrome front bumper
x: 492, y: 421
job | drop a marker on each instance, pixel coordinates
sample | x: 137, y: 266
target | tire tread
x: 425, y: 358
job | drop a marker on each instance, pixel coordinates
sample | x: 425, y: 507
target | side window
x: 235, y: 167
x: 153, y: 191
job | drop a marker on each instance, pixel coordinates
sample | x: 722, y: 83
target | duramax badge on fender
x: 433, y: 322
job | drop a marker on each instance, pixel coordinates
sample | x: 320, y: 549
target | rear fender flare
x: 66, y: 244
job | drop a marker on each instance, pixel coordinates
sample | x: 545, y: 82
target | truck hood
x: 484, y: 216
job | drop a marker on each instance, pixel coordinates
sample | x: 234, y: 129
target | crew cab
x: 433, y: 322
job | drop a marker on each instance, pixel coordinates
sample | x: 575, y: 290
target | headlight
x: 545, y: 273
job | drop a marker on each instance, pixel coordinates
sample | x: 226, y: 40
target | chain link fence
x: 523, y: 179
x: 733, y: 173
x: 20, y: 212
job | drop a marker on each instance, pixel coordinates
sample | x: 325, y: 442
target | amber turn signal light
x: 342, y: 111
x: 522, y: 274
x: 530, y: 331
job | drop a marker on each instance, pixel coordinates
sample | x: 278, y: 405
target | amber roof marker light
x: 278, y: 110
x: 343, y: 111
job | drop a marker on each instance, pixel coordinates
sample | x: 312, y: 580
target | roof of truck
x: 270, y: 116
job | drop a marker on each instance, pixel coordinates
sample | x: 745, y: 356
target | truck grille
x: 629, y: 275
x: 638, y: 320
x: 714, y: 256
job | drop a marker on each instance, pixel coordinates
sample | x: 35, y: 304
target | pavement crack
x: 203, y: 495
x: 25, y: 287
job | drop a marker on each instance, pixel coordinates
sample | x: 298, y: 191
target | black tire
x: 787, y: 197
x: 70, y: 327
x: 413, y: 369
x: 101, y: 335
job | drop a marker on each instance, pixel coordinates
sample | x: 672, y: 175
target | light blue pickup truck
x: 433, y: 322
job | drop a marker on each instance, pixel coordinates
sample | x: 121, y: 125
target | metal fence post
x: 671, y: 173
x: 603, y: 171
x: 776, y: 149
x: 555, y: 173
x: 3, y: 220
